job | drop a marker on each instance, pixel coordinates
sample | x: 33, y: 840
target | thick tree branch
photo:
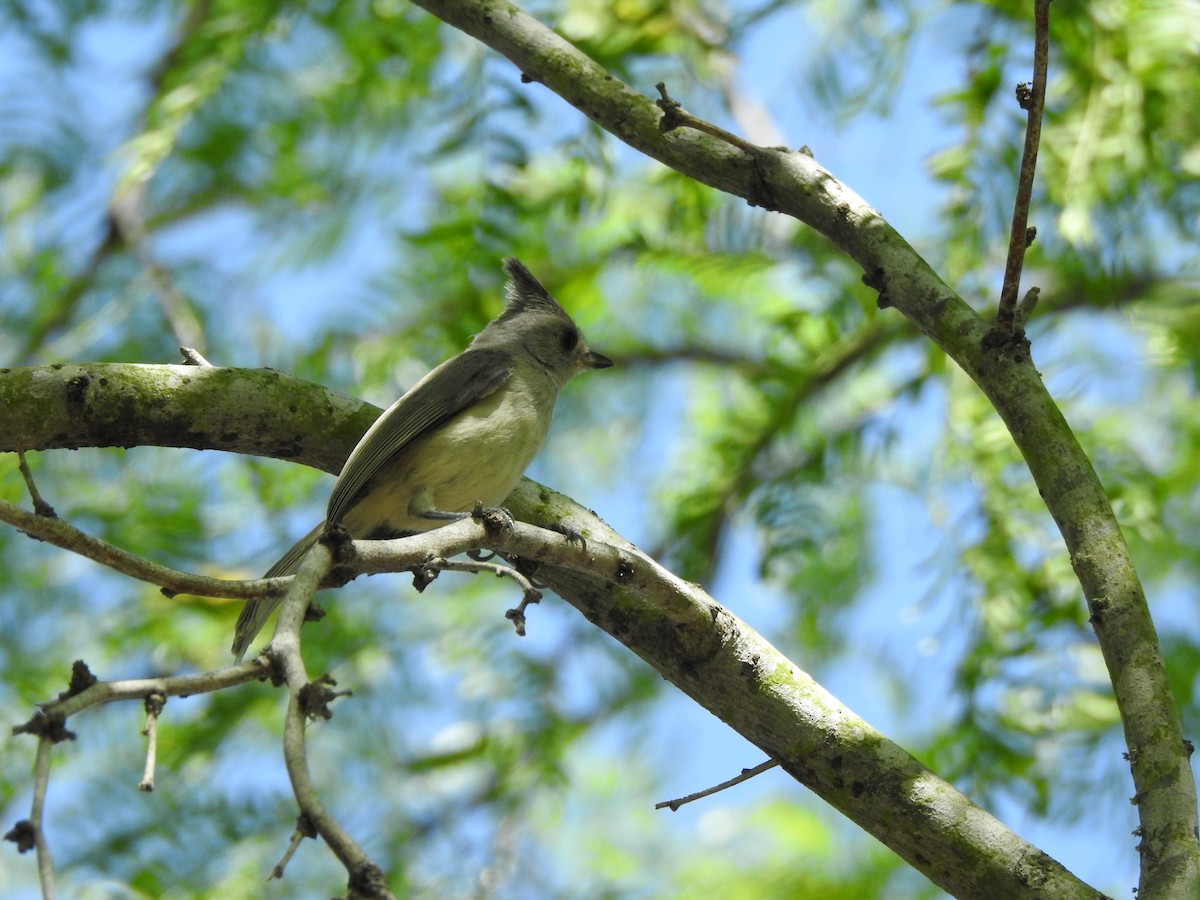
x: 717, y: 660
x: 794, y: 184
x: 256, y: 411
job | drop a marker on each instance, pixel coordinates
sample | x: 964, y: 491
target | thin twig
x: 746, y: 775
x: 1032, y: 99
x: 62, y: 534
x: 531, y: 594
x: 154, y: 706
x: 370, y: 556
x: 41, y: 780
x: 1026, y: 307
x: 304, y: 829
x: 366, y: 878
x: 101, y: 692
x: 40, y: 506
x: 675, y: 116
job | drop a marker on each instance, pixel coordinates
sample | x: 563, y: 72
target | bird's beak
x: 594, y: 360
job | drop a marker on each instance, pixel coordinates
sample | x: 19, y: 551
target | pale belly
x: 477, y: 457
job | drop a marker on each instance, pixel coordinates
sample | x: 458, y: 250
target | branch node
x: 1024, y: 95
x: 368, y: 881
x: 316, y: 696
x: 517, y: 614
x: 339, y: 542
x: 81, y: 679
x: 24, y: 835
x: 675, y: 116
x: 671, y: 118
x: 50, y: 726
x: 876, y: 280
x: 424, y: 576
x: 495, y: 520
x: 40, y: 506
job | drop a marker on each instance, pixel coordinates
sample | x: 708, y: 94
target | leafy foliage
x: 329, y: 190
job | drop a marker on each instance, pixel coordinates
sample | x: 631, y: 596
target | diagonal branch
x: 63, y: 534
x: 796, y: 185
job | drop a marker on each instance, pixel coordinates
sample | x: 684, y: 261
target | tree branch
x: 308, y: 700
x: 1021, y: 236
x: 41, y: 780
x: 101, y: 692
x: 257, y: 411
x: 717, y: 660
x: 796, y: 185
x: 63, y: 534
x: 746, y: 775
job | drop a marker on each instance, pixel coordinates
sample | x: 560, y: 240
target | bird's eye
x: 568, y: 339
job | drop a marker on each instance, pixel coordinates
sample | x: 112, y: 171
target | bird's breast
x: 478, y: 455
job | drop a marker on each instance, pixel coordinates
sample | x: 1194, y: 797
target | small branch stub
x: 746, y: 775
x: 193, y: 357
x: 316, y: 696
x: 40, y: 506
x: 675, y: 116
x: 23, y: 835
x: 304, y: 829
x: 154, y: 704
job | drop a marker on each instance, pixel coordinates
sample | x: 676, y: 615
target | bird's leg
x: 442, y: 515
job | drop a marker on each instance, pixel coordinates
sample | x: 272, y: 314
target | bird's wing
x: 256, y: 612
x: 455, y: 385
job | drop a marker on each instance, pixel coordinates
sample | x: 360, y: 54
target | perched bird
x: 462, y: 435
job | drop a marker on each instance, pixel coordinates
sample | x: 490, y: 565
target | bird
x: 462, y: 436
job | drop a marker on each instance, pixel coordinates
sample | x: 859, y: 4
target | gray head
x: 534, y: 321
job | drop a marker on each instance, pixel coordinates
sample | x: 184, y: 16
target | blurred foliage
x: 329, y: 189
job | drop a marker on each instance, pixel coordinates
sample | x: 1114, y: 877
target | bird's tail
x: 256, y: 612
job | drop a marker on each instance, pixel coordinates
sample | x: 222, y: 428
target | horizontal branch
x: 256, y: 411
x: 102, y: 692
